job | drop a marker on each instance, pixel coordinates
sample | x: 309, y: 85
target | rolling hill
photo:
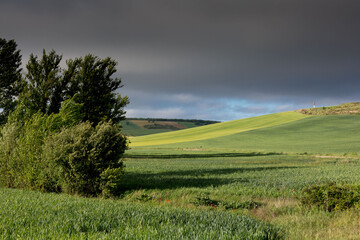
x: 323, y: 134
x: 217, y: 130
x: 328, y: 130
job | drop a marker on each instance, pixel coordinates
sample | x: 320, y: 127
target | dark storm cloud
x: 259, y: 50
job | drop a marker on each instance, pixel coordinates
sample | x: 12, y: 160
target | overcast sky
x: 218, y: 60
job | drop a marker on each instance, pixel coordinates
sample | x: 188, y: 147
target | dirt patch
x: 174, y: 124
x: 158, y: 124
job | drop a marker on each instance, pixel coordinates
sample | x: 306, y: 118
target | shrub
x: 58, y: 153
x: 331, y: 196
x: 110, y: 180
x: 29, y: 149
x: 88, y: 159
x: 9, y: 164
x: 22, y: 140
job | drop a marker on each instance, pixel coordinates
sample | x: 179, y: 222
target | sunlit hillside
x: 217, y: 130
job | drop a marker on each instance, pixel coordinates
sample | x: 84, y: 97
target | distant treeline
x: 195, y: 121
x: 160, y: 126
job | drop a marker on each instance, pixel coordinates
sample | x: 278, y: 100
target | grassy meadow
x: 338, y: 134
x: 163, y: 197
x: 273, y: 181
x: 235, y: 180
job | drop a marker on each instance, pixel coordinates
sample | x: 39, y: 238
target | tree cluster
x: 10, y: 76
x: 59, y: 127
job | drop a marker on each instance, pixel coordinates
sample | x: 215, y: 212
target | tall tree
x: 91, y: 78
x: 44, y: 85
x: 10, y: 76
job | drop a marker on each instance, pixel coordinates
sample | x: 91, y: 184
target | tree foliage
x: 47, y: 86
x: 43, y: 87
x: 62, y: 131
x: 92, y: 79
x: 58, y: 152
x: 10, y: 76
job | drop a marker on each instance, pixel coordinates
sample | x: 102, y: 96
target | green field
x: 338, y: 134
x: 217, y: 130
x: 235, y: 180
x: 317, y: 135
x: 275, y: 181
x: 160, y: 192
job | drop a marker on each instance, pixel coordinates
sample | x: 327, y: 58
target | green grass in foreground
x: 217, y: 130
x: 274, y: 180
x: 231, y: 177
x: 33, y: 215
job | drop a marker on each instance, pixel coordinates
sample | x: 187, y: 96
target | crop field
x: 274, y: 182
x: 235, y: 180
x: 218, y: 129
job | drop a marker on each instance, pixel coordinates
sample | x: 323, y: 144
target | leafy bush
x: 8, y: 159
x: 88, y: 159
x: 331, y: 196
x: 22, y: 139
x: 110, y: 180
x: 57, y: 152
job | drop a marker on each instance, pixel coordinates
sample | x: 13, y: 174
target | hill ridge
x: 352, y: 108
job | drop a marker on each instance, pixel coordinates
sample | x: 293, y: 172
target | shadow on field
x: 188, y: 178
x: 199, y: 155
